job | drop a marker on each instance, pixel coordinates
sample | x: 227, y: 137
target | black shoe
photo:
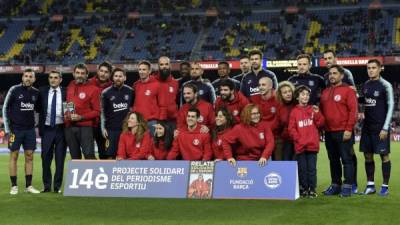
x: 45, y: 190
x: 57, y: 191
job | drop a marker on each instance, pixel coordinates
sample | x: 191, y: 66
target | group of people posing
x: 246, y: 117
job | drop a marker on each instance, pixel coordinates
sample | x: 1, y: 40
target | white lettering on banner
x: 100, y: 182
x: 241, y: 184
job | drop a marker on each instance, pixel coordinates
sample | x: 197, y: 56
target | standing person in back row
x: 330, y: 59
x: 249, y: 85
x: 147, y: 92
x: 51, y: 129
x: 83, y: 111
x: 205, y: 89
x: 245, y: 67
x: 102, y: 81
x: 224, y: 71
x: 115, y: 104
x: 19, y: 124
x: 378, y: 104
x: 304, y: 77
x: 169, y: 89
x: 339, y: 106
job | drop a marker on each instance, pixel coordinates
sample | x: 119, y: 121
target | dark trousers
x: 339, y: 152
x: 100, y: 141
x: 287, y: 150
x: 80, y: 141
x: 307, y: 164
x: 53, y: 144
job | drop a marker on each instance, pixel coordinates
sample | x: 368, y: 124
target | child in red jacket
x: 304, y: 122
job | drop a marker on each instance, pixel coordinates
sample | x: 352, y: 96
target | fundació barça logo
x: 241, y: 172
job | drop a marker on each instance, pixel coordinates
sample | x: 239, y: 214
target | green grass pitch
x: 56, y: 209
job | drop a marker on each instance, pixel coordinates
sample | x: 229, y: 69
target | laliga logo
x: 272, y: 180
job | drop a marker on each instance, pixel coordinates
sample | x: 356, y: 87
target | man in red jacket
x: 233, y: 100
x: 267, y: 102
x: 190, y: 143
x: 147, y: 95
x: 83, y: 111
x: 102, y: 81
x: 169, y: 88
x: 191, y: 98
x: 339, y: 106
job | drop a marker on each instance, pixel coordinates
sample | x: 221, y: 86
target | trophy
x: 69, y: 108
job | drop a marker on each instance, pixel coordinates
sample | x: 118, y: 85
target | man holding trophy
x: 81, y: 111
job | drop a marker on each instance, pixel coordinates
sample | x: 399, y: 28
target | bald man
x: 268, y: 104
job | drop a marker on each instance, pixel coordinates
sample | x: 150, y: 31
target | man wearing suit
x: 51, y: 129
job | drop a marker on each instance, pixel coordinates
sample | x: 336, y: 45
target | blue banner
x: 158, y: 179
x: 276, y: 180
x: 182, y: 179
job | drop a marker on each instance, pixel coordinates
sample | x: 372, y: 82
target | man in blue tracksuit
x: 19, y: 124
x: 249, y: 85
x: 304, y: 77
x: 378, y: 103
x: 115, y: 104
x: 205, y: 89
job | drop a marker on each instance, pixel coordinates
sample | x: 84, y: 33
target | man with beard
x: 330, y: 59
x: 223, y: 73
x: 168, y: 92
x: 102, y: 81
x: 19, y: 124
x: 249, y: 85
x: 244, y: 67
x: 231, y: 99
x: 205, y: 89
x: 190, y: 95
x: 115, y: 104
x: 83, y: 112
x: 304, y: 77
x: 147, y: 94
x: 339, y: 107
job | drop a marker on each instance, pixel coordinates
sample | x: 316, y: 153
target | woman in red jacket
x: 224, y: 122
x: 304, y: 122
x: 134, y: 141
x: 285, y: 97
x: 162, y: 141
x: 255, y: 138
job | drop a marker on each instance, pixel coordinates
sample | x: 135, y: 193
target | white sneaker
x: 14, y: 190
x: 31, y: 190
